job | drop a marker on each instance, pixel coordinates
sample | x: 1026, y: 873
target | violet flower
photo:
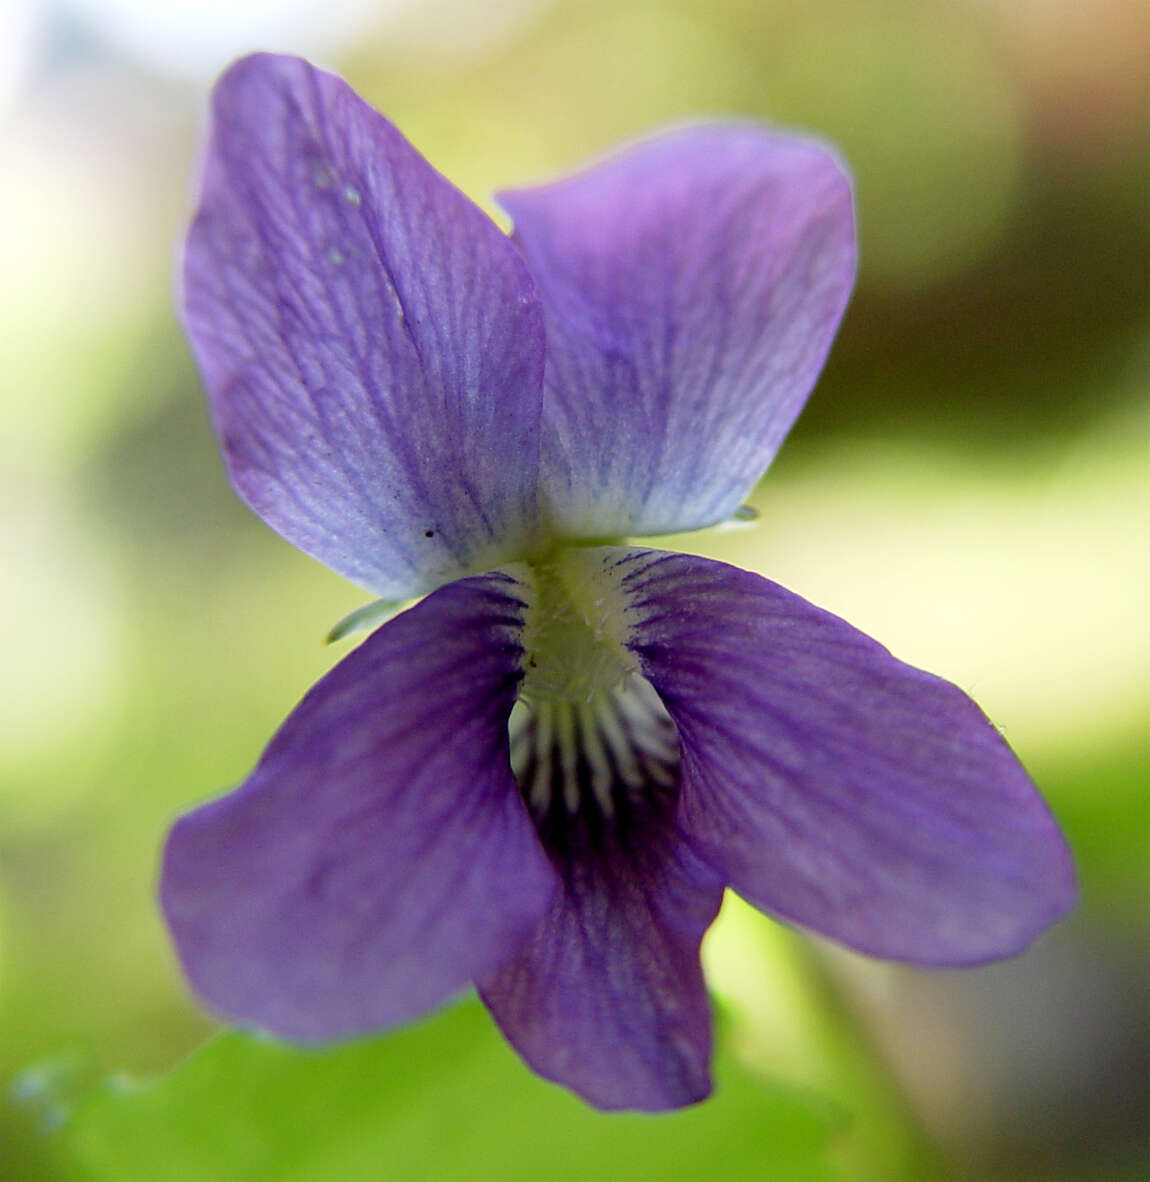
x: 541, y: 777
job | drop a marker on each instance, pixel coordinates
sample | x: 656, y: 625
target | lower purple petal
x: 607, y: 997
x: 380, y: 856
x: 834, y: 785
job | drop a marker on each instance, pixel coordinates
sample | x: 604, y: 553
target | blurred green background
x: 970, y: 484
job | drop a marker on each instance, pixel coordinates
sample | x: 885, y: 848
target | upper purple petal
x: 692, y: 284
x: 380, y: 856
x: 371, y: 342
x: 832, y: 784
x: 607, y: 996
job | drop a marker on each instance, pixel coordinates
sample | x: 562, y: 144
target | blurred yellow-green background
x: 970, y: 484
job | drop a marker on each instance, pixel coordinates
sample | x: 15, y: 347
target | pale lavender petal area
x: 380, y: 856
x: 833, y: 785
x: 692, y: 284
x: 371, y: 342
x: 607, y: 997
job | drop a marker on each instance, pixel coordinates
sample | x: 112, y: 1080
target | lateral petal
x: 692, y: 284
x: 380, y: 856
x: 835, y: 786
x: 371, y: 342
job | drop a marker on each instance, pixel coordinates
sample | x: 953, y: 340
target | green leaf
x: 445, y: 1100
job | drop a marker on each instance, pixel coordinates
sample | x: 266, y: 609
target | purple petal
x: 832, y: 784
x: 371, y: 343
x: 607, y: 997
x: 380, y: 856
x: 692, y: 284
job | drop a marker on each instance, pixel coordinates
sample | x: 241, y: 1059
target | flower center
x: 600, y: 757
x: 574, y: 632
x: 590, y: 738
